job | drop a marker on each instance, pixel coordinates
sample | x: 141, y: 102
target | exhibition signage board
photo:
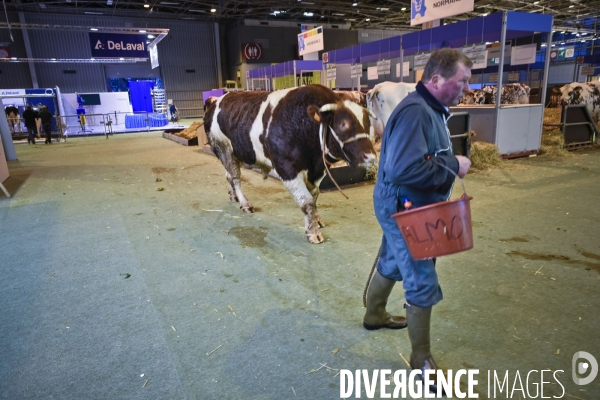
x: 513, y: 76
x: 252, y: 51
x: 117, y: 45
x: 520, y: 55
x: 331, y: 73
x: 12, y: 92
x: 405, y: 69
x: 478, y: 54
x: 153, y: 50
x: 311, y: 41
x: 356, y: 71
x: 372, y: 73
x: 493, y: 78
x: 421, y: 60
x: 428, y: 10
x: 383, y: 67
x: 494, y: 53
x: 474, y: 79
x: 587, y: 70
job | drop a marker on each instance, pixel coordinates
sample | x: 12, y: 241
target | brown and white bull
x: 582, y: 93
x: 383, y: 99
x: 288, y: 131
x: 353, y: 95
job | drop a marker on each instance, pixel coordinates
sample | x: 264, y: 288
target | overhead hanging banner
x: 117, y: 45
x: 430, y: 10
x: 478, y: 54
x: 311, y: 41
x: 153, y: 50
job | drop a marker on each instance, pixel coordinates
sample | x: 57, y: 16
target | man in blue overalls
x: 415, y: 141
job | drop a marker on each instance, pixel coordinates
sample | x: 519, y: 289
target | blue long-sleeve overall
x: 416, y: 129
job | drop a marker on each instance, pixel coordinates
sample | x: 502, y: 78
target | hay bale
x: 190, y: 132
x: 484, y: 155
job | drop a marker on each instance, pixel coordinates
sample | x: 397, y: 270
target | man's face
x: 452, y: 89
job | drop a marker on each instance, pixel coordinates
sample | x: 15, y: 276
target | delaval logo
x: 118, y: 45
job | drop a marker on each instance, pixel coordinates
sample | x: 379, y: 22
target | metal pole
x: 218, y: 54
x: 29, y: 53
x: 401, y: 61
x: 500, y: 72
x: 546, y: 66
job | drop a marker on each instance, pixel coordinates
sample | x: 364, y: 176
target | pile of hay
x: 553, y: 143
x: 552, y: 115
x: 191, y: 132
x: 484, y: 155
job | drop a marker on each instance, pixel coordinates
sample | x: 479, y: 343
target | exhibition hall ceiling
x: 360, y: 14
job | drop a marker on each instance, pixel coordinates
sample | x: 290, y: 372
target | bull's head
x: 346, y: 129
x: 571, y: 96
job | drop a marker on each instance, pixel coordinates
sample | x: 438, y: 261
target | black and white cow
x: 582, y: 93
x: 511, y: 93
x: 383, y: 99
x: 288, y: 131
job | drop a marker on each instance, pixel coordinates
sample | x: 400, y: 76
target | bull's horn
x: 371, y: 113
x: 328, y: 107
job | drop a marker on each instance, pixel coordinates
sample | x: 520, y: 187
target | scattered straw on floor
x: 484, y: 155
x: 191, y: 132
x: 552, y: 115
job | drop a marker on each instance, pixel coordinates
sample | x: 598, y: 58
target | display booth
x: 515, y: 129
x: 284, y: 75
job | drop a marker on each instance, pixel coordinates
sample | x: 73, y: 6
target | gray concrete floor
x: 114, y: 289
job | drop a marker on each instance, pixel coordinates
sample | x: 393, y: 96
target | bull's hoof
x: 315, y: 238
x: 320, y: 222
x: 234, y: 199
x: 248, y: 209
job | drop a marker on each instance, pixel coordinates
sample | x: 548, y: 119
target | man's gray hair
x: 445, y: 63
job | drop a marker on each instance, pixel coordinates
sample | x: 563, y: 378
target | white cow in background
x: 383, y: 99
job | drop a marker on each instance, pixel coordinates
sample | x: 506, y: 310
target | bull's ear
x: 313, y: 113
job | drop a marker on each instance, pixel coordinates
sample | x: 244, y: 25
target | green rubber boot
x: 376, y: 317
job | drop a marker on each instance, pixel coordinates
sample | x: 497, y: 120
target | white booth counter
x: 517, y: 132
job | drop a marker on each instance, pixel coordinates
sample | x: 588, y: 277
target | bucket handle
x: 453, y: 173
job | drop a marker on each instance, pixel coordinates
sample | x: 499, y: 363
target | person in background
x: 174, y: 113
x: 29, y: 115
x: 415, y: 148
x: 46, y: 118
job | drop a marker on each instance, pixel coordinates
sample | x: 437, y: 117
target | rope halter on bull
x: 325, y: 150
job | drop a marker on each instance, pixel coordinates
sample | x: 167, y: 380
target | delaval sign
x: 430, y: 10
x: 116, y: 45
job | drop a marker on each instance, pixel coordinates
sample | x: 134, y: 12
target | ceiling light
x: 562, y: 42
x: 543, y: 45
x: 108, y: 2
x: 385, y: 9
x: 93, y: 29
x: 93, y: 59
x: 146, y: 5
x: 213, y: 10
x: 403, y: 9
x: 322, y: 16
x: 354, y: 4
x: 338, y: 14
x: 536, y: 2
x: 121, y: 59
x: 553, y: 45
x: 584, y: 33
x: 308, y: 14
x: 484, y: 14
x: 42, y: 5
x: 368, y: 19
x: 150, y: 36
x: 571, y: 6
x: 53, y: 59
x: 583, y: 40
x: 93, y: 13
x: 142, y: 31
x: 13, y: 58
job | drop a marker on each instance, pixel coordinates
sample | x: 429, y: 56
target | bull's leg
x: 314, y: 191
x: 232, y: 172
x: 304, y: 198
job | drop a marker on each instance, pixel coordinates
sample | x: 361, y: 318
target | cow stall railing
x: 577, y: 126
